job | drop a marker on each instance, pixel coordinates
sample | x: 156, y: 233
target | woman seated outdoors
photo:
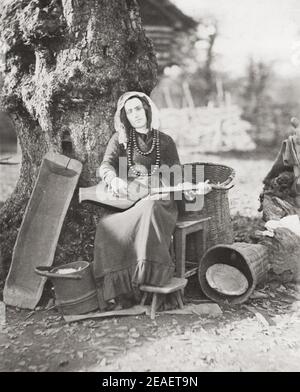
x: 132, y: 247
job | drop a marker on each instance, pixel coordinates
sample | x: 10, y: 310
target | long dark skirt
x: 132, y: 248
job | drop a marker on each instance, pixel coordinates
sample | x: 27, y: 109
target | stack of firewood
x: 208, y: 129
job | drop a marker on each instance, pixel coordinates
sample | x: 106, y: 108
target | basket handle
x: 221, y: 187
x: 226, y: 185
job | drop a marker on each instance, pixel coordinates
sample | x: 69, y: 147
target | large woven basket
x: 216, y: 203
x: 251, y: 259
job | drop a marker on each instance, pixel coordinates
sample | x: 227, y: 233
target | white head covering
x: 119, y: 127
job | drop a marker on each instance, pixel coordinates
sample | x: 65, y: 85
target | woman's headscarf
x: 119, y: 126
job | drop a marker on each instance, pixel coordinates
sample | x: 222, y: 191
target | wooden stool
x: 174, y: 286
x: 182, y: 230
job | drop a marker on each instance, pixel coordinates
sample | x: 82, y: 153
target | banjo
x: 101, y: 193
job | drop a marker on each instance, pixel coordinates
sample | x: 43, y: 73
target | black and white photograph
x: 149, y: 188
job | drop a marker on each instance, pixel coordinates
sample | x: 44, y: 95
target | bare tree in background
x: 259, y: 106
x: 203, y: 78
x: 66, y: 64
x: 208, y: 66
x: 258, y: 75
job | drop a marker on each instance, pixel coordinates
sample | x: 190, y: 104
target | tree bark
x: 66, y: 64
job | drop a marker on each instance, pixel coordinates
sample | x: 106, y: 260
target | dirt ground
x: 261, y: 335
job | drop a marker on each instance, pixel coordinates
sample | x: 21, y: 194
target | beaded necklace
x: 133, y: 144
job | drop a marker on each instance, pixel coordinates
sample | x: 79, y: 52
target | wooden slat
x: 158, y: 28
x: 190, y: 269
x: 41, y: 226
x: 191, y: 272
x: 159, y: 34
x: 162, y: 41
x: 162, y: 48
x: 163, y: 56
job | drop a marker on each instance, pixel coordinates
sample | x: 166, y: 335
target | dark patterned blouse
x: 110, y: 165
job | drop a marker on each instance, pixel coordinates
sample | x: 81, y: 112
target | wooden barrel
x: 250, y: 259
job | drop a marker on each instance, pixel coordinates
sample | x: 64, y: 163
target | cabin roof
x: 165, y: 13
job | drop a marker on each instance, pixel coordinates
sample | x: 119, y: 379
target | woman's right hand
x: 118, y: 187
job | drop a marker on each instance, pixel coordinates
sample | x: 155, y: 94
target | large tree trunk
x: 66, y: 64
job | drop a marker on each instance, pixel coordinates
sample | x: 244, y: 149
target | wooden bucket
x: 75, y: 292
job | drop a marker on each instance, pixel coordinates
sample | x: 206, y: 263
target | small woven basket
x: 250, y: 259
x: 216, y: 203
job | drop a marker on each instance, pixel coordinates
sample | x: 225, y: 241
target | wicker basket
x: 216, y: 204
x: 250, y: 259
